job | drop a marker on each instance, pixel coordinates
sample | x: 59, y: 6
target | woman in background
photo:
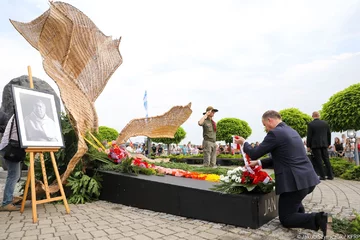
x: 339, y: 149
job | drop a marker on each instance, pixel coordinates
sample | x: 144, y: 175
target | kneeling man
x: 294, y: 174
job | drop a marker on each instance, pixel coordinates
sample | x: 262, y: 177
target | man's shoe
x: 9, y: 207
x: 322, y: 220
x: 330, y: 178
x: 322, y: 178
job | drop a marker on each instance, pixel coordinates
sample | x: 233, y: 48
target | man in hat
x: 209, y: 134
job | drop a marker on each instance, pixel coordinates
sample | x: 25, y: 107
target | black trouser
x: 321, y: 157
x: 292, y: 213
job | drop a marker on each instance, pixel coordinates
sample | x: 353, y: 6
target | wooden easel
x: 31, y: 175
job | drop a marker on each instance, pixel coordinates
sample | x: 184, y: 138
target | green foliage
x: 227, y: 127
x: 84, y: 188
x: 106, y: 134
x: 237, y: 188
x: 179, y: 135
x: 126, y: 167
x: 237, y: 156
x: 94, y: 158
x: 340, y: 225
x: 355, y: 225
x: 347, y: 227
x: 340, y: 166
x: 352, y: 174
x: 342, y: 111
x: 296, y: 119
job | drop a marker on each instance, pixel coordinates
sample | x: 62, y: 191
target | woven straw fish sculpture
x: 81, y: 59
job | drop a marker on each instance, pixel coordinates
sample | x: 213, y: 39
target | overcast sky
x: 242, y: 57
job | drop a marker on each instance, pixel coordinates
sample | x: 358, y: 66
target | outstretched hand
x: 240, y: 140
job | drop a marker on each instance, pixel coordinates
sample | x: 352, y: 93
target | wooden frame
x: 37, y: 118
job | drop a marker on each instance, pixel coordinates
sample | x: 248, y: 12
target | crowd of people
x: 342, y: 148
x: 182, y: 149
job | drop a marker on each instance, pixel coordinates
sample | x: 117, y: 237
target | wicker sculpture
x: 155, y: 127
x: 81, y: 59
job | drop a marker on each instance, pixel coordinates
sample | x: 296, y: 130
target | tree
x: 342, y: 111
x: 179, y: 135
x: 106, y: 133
x: 228, y: 127
x: 296, y: 119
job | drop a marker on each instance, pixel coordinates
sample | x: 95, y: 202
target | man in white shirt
x: 38, y: 126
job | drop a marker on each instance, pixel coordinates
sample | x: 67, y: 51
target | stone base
x: 189, y: 198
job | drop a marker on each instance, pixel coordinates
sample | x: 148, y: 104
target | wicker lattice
x: 79, y: 58
x: 155, y: 127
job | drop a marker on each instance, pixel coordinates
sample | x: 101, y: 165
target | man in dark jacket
x: 294, y: 174
x: 319, y: 140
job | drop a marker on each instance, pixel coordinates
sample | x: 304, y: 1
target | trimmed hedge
x: 352, y: 174
x: 344, y: 169
x: 340, y: 166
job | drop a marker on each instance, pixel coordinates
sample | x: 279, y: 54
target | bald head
x: 316, y: 115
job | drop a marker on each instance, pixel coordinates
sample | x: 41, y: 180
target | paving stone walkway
x: 104, y: 220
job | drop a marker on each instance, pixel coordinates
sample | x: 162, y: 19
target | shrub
x: 342, y: 110
x: 84, y: 188
x: 352, y: 174
x: 227, y: 127
x: 340, y: 166
x: 106, y: 134
x: 347, y: 227
x: 296, y: 119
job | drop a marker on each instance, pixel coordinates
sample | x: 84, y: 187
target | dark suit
x: 294, y: 174
x: 319, y: 139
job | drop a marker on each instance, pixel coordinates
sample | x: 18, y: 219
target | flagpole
x: 148, y: 142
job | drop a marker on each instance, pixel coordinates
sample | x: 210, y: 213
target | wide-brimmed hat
x: 210, y: 108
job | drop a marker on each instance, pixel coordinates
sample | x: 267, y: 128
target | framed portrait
x: 37, y: 118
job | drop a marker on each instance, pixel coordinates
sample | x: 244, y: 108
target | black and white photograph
x: 37, y: 118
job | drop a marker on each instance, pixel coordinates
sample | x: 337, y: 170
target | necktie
x: 214, y: 125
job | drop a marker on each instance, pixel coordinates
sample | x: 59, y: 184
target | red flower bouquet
x: 246, y: 179
x: 117, y: 154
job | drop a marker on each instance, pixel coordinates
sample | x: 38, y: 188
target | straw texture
x: 79, y: 58
x: 163, y: 126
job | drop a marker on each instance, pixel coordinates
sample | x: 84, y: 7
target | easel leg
x: 26, y: 191
x: 43, y: 169
x: 33, y: 191
x: 59, y: 182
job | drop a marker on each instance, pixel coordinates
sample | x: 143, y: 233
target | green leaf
x: 250, y: 187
